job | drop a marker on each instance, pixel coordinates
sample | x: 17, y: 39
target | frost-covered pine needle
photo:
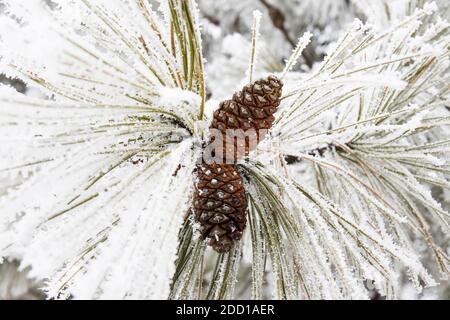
x: 254, y: 44
x: 303, y: 41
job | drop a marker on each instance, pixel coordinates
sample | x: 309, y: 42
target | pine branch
x: 99, y: 167
x: 278, y: 21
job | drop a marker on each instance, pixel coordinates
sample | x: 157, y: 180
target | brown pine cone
x: 219, y: 200
x: 220, y: 205
x: 251, y: 108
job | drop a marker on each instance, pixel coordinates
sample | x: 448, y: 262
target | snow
x: 97, y: 157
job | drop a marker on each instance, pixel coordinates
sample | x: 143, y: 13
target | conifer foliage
x: 105, y: 192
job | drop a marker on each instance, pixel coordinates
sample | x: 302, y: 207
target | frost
x: 112, y: 121
x: 303, y: 41
x: 349, y: 188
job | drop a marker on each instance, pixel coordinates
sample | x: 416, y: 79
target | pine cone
x: 219, y: 199
x: 251, y: 108
x: 220, y: 205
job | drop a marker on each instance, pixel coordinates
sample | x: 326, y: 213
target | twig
x: 278, y: 19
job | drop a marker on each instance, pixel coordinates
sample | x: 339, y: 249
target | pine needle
x: 303, y: 41
x: 254, y: 49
